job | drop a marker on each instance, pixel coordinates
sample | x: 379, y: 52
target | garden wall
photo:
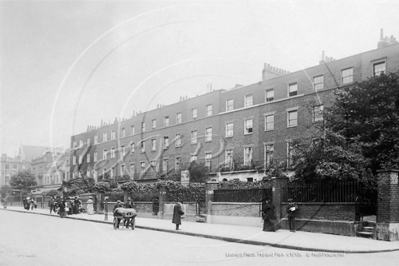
x: 235, y: 213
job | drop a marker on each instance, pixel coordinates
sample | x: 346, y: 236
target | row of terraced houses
x: 246, y: 129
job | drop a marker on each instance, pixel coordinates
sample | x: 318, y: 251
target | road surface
x: 31, y: 239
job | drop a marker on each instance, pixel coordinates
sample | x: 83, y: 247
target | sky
x: 65, y: 65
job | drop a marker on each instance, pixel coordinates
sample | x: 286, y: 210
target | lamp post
x: 106, y: 209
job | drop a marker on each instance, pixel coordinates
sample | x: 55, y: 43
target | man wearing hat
x: 291, y: 211
x: 116, y: 213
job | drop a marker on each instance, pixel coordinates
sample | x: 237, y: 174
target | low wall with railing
x: 235, y: 213
x: 334, y: 218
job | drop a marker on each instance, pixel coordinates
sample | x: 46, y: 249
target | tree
x: 23, y: 180
x: 5, y: 191
x: 359, y: 133
x: 198, y: 172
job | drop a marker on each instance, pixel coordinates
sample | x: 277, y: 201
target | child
x: 291, y: 211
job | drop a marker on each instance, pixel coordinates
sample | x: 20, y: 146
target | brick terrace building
x: 248, y: 127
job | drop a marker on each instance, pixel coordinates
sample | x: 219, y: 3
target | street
x: 31, y: 239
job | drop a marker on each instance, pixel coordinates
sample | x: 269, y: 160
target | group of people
x: 29, y: 203
x: 270, y: 220
x: 69, y: 205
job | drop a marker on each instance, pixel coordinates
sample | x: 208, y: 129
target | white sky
x: 69, y: 64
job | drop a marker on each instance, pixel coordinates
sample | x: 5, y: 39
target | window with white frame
x: 347, y: 75
x: 123, y: 133
x: 142, y: 145
x: 270, y: 95
x: 229, y: 129
x: 178, y: 118
x: 230, y: 105
x: 269, y: 122
x: 142, y: 165
x: 290, y: 154
x: 153, y: 164
x: 95, y: 156
x: 88, y: 142
x: 113, y: 153
x: 248, y: 100
x: 153, y: 144
x: 81, y: 143
x: 95, y: 139
x: 112, y: 172
x: 113, y: 135
x: 123, y: 151
x: 208, y: 134
x: 154, y: 124
x: 105, y: 136
x: 178, y: 141
x: 132, y: 130
x: 208, y: 161
x: 317, y: 114
x: 247, y: 155
x: 292, y: 118
x: 269, y: 149
x: 104, y: 172
x: 104, y: 154
x: 166, y: 121
x: 209, y: 110
x: 132, y: 148
x: 165, y: 165
x: 74, y: 160
x: 142, y: 126
x: 165, y: 142
x: 318, y: 83
x: 75, y: 145
x: 131, y: 170
x: 194, y: 137
x: 379, y: 68
x: 228, y: 155
x: 80, y: 159
x: 123, y: 170
x: 194, y: 113
x: 193, y: 158
x: 248, y: 126
x: 177, y: 163
x: 292, y: 89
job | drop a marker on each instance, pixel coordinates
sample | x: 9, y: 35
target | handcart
x: 127, y: 216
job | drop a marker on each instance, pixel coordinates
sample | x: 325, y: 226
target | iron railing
x: 242, y: 195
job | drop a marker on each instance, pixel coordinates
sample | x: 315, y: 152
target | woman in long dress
x: 90, y: 207
x: 268, y: 216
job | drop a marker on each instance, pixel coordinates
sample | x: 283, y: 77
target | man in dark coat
x: 51, y: 204
x: 128, y: 205
x: 76, y: 205
x: 291, y: 211
x: 177, y: 213
x: 116, y: 213
x: 268, y: 216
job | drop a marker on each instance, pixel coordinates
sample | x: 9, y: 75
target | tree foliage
x: 198, y: 172
x: 23, y: 180
x: 359, y: 133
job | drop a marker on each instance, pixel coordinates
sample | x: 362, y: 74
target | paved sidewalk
x: 248, y: 235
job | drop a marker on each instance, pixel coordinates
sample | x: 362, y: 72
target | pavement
x: 299, y: 240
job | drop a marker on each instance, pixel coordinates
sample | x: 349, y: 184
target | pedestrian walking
x: 177, y: 213
x: 90, y: 207
x: 25, y: 203
x: 291, y: 209
x: 268, y: 215
x: 76, y: 205
x: 51, y: 204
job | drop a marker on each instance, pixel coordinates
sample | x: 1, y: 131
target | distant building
x: 51, y: 169
x: 238, y: 133
x: 10, y: 166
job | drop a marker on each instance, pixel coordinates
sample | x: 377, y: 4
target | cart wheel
x: 133, y: 223
x: 115, y: 222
